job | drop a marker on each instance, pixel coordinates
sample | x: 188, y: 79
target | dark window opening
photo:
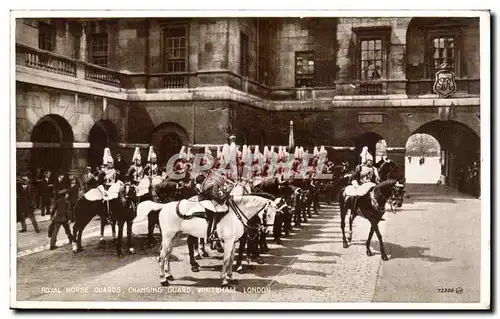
x: 304, y: 69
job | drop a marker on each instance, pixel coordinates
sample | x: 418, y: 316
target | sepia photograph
x: 223, y: 160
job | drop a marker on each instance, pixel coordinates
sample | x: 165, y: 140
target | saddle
x: 98, y: 194
x: 198, y: 206
x: 360, y: 191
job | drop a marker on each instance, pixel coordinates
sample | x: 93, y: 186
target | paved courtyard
x: 433, y: 243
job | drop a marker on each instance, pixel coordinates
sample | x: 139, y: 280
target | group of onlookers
x: 469, y: 181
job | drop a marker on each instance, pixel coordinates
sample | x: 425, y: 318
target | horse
x: 126, y: 214
x: 93, y: 203
x: 390, y: 170
x: 370, y: 205
x: 174, y: 221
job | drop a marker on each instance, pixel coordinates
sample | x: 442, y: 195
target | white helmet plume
x: 137, y: 155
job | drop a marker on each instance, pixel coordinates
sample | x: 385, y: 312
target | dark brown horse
x: 371, y: 206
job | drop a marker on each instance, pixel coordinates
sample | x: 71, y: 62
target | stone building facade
x: 84, y: 84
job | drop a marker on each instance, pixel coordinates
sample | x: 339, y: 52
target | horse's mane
x: 253, y: 200
x: 385, y: 186
x: 262, y: 194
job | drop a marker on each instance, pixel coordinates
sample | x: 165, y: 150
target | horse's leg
x: 241, y: 250
x: 113, y: 229
x: 230, y: 269
x: 228, y: 251
x: 382, y: 248
x: 351, y: 220
x: 343, y: 213
x: 103, y: 225
x: 368, y: 241
x: 131, y: 249
x: 120, y: 237
x: 191, y: 241
x: 151, y: 228
x: 204, y: 253
x: 166, y: 249
x: 75, y: 239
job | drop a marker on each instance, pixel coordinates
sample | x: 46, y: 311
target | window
x: 175, y: 49
x: 99, y: 49
x: 371, y: 55
x: 372, y: 60
x: 243, y: 54
x: 46, y: 36
x: 442, y: 50
x: 304, y: 69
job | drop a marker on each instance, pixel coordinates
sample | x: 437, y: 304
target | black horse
x: 371, y: 206
x: 114, y: 210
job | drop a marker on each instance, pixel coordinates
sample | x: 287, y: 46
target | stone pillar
x: 83, y: 43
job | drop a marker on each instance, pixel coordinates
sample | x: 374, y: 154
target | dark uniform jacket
x: 60, y: 185
x: 74, y: 192
x: 25, y: 201
x: 46, y: 188
x: 63, y: 211
x: 122, y: 168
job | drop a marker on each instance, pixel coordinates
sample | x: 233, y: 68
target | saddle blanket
x: 189, y: 207
x: 361, y: 190
x: 99, y: 193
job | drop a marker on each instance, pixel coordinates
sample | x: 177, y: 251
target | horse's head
x: 398, y: 193
x: 129, y: 191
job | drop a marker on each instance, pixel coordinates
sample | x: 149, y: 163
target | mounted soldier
x: 365, y: 177
x: 136, y: 170
x: 109, y: 175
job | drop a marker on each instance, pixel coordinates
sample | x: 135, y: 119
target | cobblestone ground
x: 432, y: 243
x: 310, y: 266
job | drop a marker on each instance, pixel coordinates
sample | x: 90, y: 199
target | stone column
x: 83, y: 42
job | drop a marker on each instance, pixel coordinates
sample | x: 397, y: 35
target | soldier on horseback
x: 364, y: 173
x: 136, y: 171
x: 107, y: 177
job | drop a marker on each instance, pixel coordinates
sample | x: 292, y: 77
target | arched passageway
x: 103, y: 134
x: 423, y: 159
x: 52, y: 139
x: 459, y: 148
x: 167, y: 139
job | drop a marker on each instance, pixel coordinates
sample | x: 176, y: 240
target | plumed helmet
x: 296, y: 154
x: 364, y: 154
x: 137, y: 155
x: 315, y: 151
x: 207, y: 151
x: 266, y: 153
x: 182, y: 152
x: 225, y: 152
x: 219, y: 152
x: 150, y: 153
x: 233, y: 151
x: 244, y: 152
x: 322, y: 150
x: 107, y: 158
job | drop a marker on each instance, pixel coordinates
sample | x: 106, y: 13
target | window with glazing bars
x: 99, y: 49
x: 175, y: 49
x: 372, y: 60
x: 46, y: 36
x: 443, y: 48
x: 304, y: 69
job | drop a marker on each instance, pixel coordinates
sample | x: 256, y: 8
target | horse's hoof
x: 197, y: 257
x: 266, y: 250
x: 165, y: 283
x: 240, y: 270
x: 170, y: 277
x: 204, y: 254
x: 278, y: 241
x: 131, y: 251
x: 369, y: 253
x: 384, y: 257
x: 345, y: 245
x: 220, y: 250
x: 195, y: 269
x: 75, y: 251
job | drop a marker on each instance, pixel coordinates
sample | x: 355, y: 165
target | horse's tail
x: 144, y: 208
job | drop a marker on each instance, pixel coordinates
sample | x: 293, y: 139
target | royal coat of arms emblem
x: 445, y: 84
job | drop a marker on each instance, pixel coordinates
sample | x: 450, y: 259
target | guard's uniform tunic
x: 108, y: 177
x: 135, y: 174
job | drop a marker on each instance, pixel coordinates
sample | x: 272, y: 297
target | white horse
x: 174, y: 221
